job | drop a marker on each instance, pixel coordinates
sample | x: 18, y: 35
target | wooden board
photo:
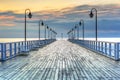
x: 60, y: 60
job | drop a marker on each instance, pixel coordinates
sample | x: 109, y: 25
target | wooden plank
x: 60, y: 60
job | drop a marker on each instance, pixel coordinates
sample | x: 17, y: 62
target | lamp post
x: 75, y: 28
x: 91, y: 16
x: 78, y: 32
x: 68, y: 35
x: 29, y: 16
x: 51, y: 33
x: 61, y: 35
x: 82, y: 23
x: 55, y: 35
x: 40, y: 24
x: 45, y: 31
x: 48, y: 31
x: 72, y: 33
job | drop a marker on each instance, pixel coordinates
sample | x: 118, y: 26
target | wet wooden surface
x: 60, y: 60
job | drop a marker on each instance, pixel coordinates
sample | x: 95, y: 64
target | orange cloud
x: 7, y: 17
x: 7, y: 24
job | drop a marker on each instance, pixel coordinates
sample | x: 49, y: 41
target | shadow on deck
x: 60, y: 60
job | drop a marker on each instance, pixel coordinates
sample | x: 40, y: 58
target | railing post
x: 19, y: 47
x: 110, y: 49
x: 15, y: 49
x: 105, y: 48
x: 102, y: 47
x: 3, y: 51
x: 22, y: 46
x: 98, y: 46
x: 116, y: 51
x: 30, y: 44
x: 10, y: 50
x: 27, y: 45
x: 93, y: 45
x: 89, y: 44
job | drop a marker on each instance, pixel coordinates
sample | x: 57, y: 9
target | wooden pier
x: 60, y: 60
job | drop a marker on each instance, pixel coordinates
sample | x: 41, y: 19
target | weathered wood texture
x: 60, y: 60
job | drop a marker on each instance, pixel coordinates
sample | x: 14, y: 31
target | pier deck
x: 61, y: 60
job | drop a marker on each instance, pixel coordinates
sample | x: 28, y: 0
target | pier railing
x: 109, y: 49
x: 12, y: 49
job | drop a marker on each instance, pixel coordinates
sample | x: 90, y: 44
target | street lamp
x: 61, y: 35
x: 48, y: 31
x: 91, y: 16
x: 77, y: 29
x: 55, y: 34
x: 40, y: 24
x: 72, y: 33
x: 51, y: 32
x: 45, y: 31
x: 29, y: 16
x: 68, y: 35
x: 82, y: 23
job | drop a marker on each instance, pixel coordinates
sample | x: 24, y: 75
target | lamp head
x: 47, y: 27
x: 75, y: 27
x: 30, y: 15
x: 42, y: 23
x: 80, y: 23
x: 91, y: 14
x: 72, y: 29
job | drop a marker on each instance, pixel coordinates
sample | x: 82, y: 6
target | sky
x: 61, y: 15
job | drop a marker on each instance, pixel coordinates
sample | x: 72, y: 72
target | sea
x: 5, y: 40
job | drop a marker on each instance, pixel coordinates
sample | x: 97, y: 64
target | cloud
x: 64, y: 19
x: 7, y: 17
x: 7, y: 24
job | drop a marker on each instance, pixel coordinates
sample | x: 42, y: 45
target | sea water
x: 4, y: 40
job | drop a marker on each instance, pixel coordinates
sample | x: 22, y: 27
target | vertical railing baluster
x: 105, y: 48
x: 22, y: 46
x: 30, y: 44
x: 116, y: 51
x: 15, y: 49
x: 102, y: 47
x: 110, y: 49
x: 93, y: 45
x: 99, y: 46
x: 10, y: 48
x: 90, y: 44
x: 19, y: 47
x: 3, y: 52
x: 27, y: 45
x: 96, y: 45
